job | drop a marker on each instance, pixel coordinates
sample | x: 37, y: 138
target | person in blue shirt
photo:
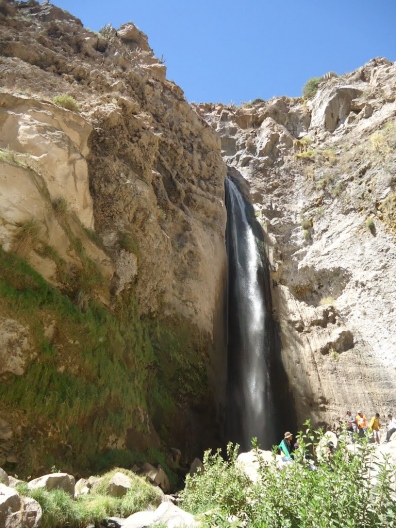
x: 286, y: 447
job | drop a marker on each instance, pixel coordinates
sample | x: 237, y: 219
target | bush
x: 222, y: 485
x: 66, y: 101
x: 60, y: 510
x: 306, y: 155
x: 370, y: 224
x: 338, y: 492
x: 311, y: 87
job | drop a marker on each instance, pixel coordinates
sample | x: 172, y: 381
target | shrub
x: 107, y: 31
x: 370, y: 224
x: 59, y: 206
x: 66, y: 101
x: 306, y: 155
x: 336, y: 492
x: 311, y: 87
x: 222, y: 485
x: 306, y: 223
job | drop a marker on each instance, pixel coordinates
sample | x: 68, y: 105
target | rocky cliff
x: 112, y: 225
x: 320, y: 172
x: 113, y: 266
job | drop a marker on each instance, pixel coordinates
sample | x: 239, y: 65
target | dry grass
x: 26, y: 237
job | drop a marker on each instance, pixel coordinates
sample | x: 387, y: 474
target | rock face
x: 113, y: 265
x: 320, y: 174
x: 114, y: 193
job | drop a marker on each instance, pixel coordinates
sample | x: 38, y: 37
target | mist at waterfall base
x: 250, y: 398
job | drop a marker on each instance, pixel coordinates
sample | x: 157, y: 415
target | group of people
x: 358, y: 424
x: 355, y: 424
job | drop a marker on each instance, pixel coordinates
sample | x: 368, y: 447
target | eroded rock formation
x: 320, y: 174
x: 114, y: 193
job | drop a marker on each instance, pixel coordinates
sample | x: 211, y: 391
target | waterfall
x: 250, y: 398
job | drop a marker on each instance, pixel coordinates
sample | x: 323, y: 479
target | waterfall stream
x: 250, y: 410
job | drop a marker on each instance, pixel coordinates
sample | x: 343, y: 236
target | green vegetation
x: 128, y: 242
x: 60, y: 510
x: 12, y: 157
x: 66, y: 101
x: 100, y: 369
x: 26, y: 236
x: 370, y: 224
x: 338, y: 493
x: 306, y: 155
x: 311, y: 87
x: 306, y: 223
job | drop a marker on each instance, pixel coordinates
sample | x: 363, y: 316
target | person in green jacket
x: 286, y: 447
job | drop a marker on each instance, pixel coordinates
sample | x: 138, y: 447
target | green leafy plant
x: 221, y: 485
x: 66, y: 101
x: 311, y: 87
x: 332, y: 490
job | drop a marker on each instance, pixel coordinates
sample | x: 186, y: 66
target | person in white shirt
x: 391, y: 427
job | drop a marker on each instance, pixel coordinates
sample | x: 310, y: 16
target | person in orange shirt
x: 361, y: 422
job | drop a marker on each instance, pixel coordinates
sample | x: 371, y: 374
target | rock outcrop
x: 320, y: 174
x: 112, y: 189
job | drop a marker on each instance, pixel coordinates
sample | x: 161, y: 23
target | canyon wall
x: 112, y: 259
x: 320, y: 172
x: 112, y: 190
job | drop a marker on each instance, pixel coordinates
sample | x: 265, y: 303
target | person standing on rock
x: 361, y: 422
x: 391, y: 427
x: 286, y: 447
x: 375, y: 427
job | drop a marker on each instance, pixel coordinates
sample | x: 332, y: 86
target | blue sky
x: 234, y: 51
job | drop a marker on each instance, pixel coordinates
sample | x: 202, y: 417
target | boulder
x: 14, y: 355
x: 13, y: 482
x: 81, y: 487
x: 4, y: 479
x: 331, y: 106
x: 131, y: 34
x: 10, y: 505
x: 196, y: 466
x: 119, y: 485
x: 61, y: 481
x: 250, y: 464
x: 167, y: 514
x: 31, y: 513
x: 156, y: 476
